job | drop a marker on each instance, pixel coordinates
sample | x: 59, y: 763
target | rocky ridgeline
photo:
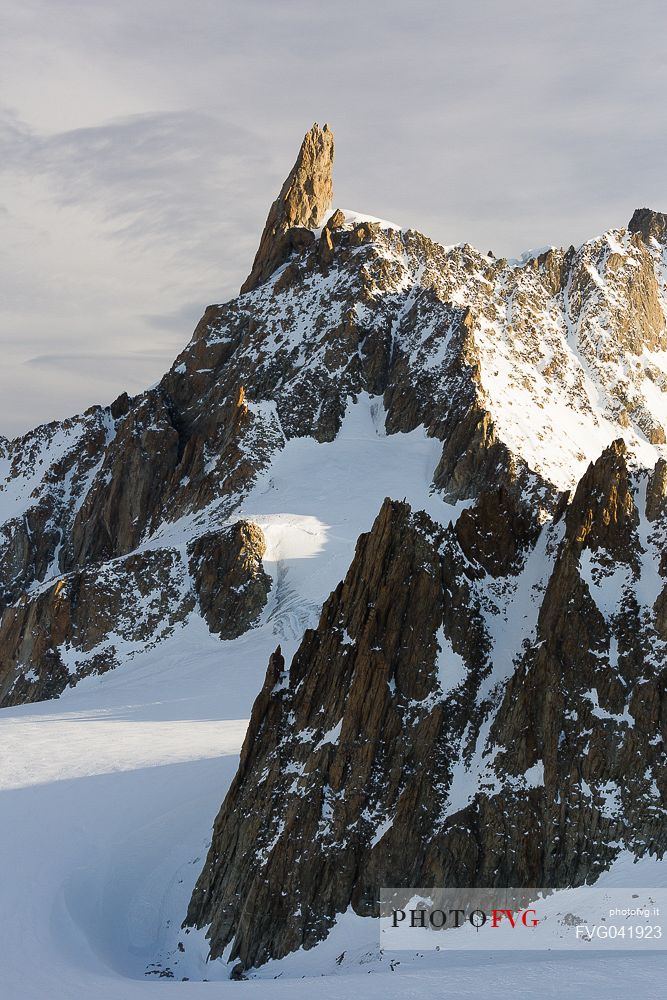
x: 89, y: 620
x: 374, y: 760
x: 467, y: 682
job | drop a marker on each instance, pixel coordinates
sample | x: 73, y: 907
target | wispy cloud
x: 151, y: 176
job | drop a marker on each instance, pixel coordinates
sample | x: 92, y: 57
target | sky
x: 142, y: 142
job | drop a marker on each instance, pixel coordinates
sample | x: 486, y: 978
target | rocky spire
x: 304, y: 199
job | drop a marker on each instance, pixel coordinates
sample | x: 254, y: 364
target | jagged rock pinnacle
x: 304, y: 199
x: 648, y: 224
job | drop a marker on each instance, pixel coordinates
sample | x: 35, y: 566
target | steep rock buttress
x: 304, y: 199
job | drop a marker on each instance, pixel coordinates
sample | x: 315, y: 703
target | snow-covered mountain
x: 479, y: 655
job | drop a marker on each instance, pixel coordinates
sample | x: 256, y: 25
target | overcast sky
x: 142, y: 141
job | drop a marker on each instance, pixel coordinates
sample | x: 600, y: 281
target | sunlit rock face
x: 304, y: 200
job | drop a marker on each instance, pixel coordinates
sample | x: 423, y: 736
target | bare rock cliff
x: 374, y: 761
x: 304, y: 199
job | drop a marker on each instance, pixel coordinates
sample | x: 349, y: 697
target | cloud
x: 93, y: 362
x: 149, y: 176
x: 185, y: 317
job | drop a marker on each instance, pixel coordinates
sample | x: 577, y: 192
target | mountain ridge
x: 492, y: 651
x: 512, y: 367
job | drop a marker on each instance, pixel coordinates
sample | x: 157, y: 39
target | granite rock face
x: 394, y: 750
x: 90, y: 620
x: 304, y: 199
x: 649, y: 224
x: 231, y: 585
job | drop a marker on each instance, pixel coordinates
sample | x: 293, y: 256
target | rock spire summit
x: 304, y: 199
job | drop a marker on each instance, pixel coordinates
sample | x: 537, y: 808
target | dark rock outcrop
x: 602, y: 514
x: 649, y: 224
x: 304, y: 199
x: 82, y: 623
x: 350, y: 775
x: 88, y: 620
x: 51, y: 468
x: 497, y: 531
x: 656, y: 493
x: 330, y: 744
x: 158, y: 467
x: 231, y: 584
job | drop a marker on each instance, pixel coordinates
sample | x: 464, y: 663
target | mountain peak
x: 304, y: 199
x: 648, y: 224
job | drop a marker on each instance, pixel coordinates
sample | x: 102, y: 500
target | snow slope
x: 104, y: 823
